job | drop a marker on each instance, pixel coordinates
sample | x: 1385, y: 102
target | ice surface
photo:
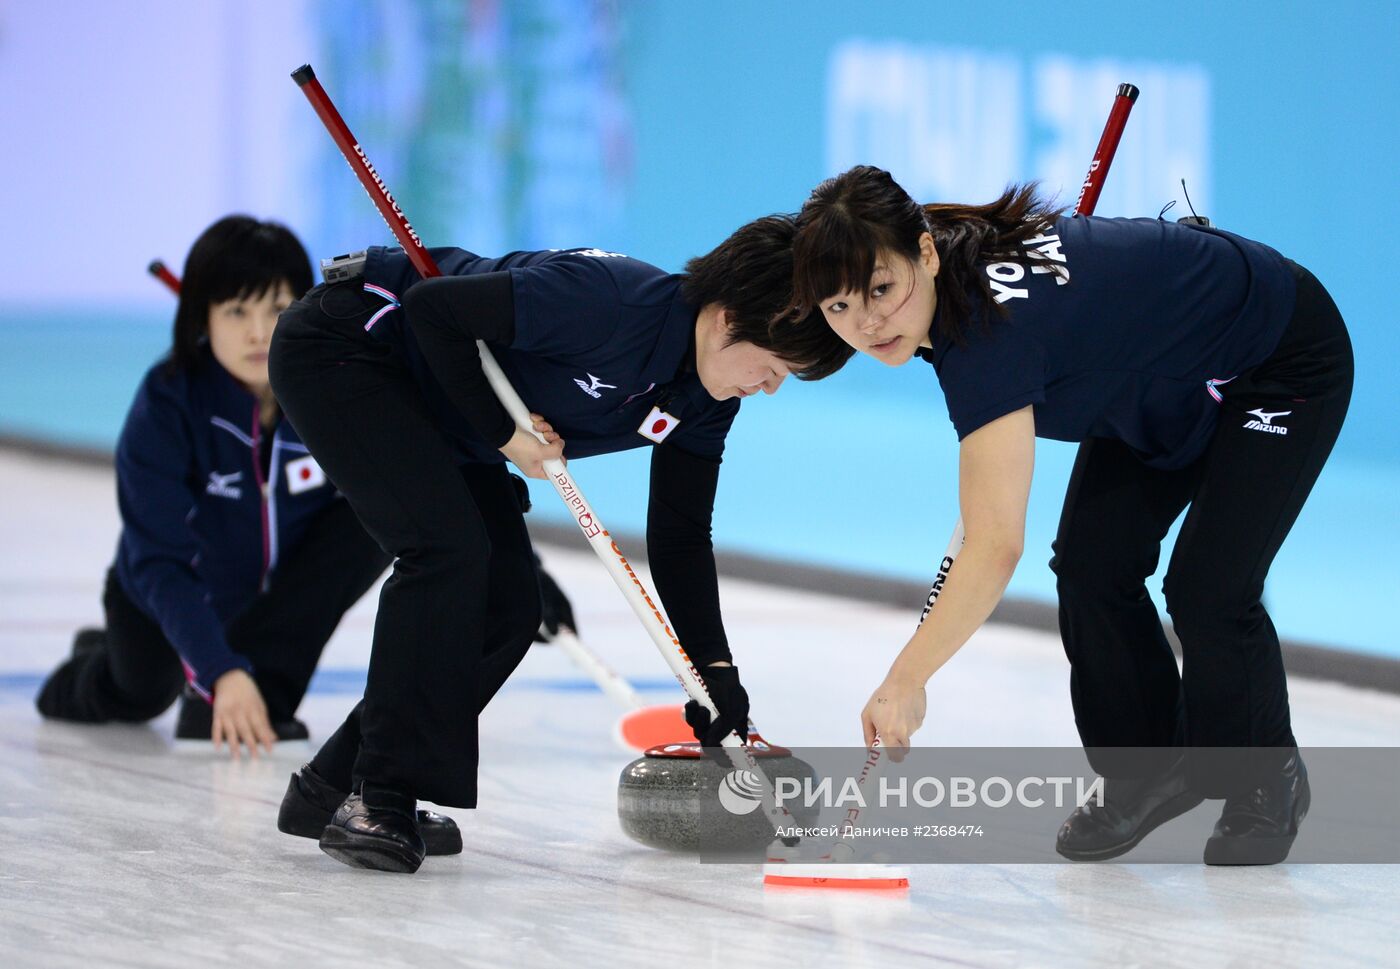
x: 117, y: 851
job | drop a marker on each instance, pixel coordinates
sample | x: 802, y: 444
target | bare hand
x: 240, y: 715
x: 894, y: 712
x: 528, y: 454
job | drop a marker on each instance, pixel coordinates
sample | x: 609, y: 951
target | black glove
x: 730, y: 699
x: 555, y: 609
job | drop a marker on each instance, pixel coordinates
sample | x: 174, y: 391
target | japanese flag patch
x: 303, y: 474
x: 658, y: 425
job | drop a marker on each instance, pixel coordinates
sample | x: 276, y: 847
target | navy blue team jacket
x: 600, y: 339
x: 1118, y: 328
x: 202, y: 525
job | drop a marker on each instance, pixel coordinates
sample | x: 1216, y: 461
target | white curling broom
x: 782, y: 868
x: 835, y: 866
x: 598, y: 537
x: 644, y: 725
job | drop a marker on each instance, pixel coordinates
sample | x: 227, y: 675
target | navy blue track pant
x: 462, y: 604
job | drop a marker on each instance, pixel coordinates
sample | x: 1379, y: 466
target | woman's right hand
x: 893, y: 713
x: 528, y: 454
x: 240, y: 715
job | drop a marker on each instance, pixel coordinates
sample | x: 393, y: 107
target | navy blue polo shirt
x: 1131, y: 340
x: 600, y: 339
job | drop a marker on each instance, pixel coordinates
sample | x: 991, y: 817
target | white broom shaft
x: 627, y: 581
x: 602, y: 544
x: 955, y: 545
x: 875, y: 758
x: 609, y: 680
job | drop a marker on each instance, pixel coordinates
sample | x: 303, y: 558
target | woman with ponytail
x: 1200, y: 372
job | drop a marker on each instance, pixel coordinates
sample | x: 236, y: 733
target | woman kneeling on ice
x: 1199, y: 371
x: 237, y: 558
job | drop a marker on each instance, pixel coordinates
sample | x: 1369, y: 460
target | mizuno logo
x: 1265, y: 421
x: 593, y: 386
x: 223, y: 485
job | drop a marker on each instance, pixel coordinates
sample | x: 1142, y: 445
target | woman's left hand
x: 894, y: 712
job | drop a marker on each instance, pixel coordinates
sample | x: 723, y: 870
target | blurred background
x: 656, y: 128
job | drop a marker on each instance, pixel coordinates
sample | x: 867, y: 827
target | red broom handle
x: 1108, y: 146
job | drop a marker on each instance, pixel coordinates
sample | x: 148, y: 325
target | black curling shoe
x: 1258, y: 827
x: 58, y: 698
x: 311, y: 801
x: 1131, y: 810
x: 89, y: 639
x: 382, y: 835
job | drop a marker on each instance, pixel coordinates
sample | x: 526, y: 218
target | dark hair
x: 237, y: 257
x: 750, y: 275
x: 848, y: 220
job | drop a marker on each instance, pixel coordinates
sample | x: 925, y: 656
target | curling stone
x: 677, y: 799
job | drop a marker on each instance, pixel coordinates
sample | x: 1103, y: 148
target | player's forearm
x: 975, y: 585
x: 689, y: 591
x: 680, y: 552
x: 682, y: 564
x: 179, y: 602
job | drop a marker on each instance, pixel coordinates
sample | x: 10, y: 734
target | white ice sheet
x: 117, y: 851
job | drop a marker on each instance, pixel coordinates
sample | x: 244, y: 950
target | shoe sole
x: 373, y: 854
x: 1242, y: 851
x: 446, y: 843
x: 298, y: 821
x: 1172, y: 808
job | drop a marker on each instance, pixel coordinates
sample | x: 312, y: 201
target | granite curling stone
x: 677, y: 799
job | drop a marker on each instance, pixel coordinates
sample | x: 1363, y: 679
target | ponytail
x: 968, y: 236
